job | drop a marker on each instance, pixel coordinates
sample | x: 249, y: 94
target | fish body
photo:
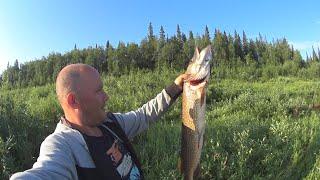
x: 193, y: 112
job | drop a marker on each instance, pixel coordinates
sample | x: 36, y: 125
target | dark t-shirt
x: 110, y: 148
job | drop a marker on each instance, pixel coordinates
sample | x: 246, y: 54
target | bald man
x: 90, y: 143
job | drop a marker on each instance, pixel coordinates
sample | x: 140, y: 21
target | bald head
x: 70, y: 77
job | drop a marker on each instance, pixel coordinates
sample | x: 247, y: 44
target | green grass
x: 255, y: 130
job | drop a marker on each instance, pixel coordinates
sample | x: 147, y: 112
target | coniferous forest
x: 233, y: 54
x: 262, y: 114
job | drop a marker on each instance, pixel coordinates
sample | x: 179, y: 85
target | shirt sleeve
x: 134, y: 122
x: 54, y: 162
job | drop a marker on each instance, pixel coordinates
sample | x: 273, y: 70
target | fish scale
x: 193, y: 113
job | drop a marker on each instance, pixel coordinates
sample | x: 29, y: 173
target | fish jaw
x: 199, y: 66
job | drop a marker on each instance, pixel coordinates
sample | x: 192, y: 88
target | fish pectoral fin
x: 180, y: 166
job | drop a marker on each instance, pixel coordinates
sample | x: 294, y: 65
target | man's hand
x: 180, y: 79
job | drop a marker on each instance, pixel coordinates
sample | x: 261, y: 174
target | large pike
x: 193, y: 112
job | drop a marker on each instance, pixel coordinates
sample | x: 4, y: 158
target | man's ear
x: 72, y: 100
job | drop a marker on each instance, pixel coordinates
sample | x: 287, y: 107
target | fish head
x: 199, y: 67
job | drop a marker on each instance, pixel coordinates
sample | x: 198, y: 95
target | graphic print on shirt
x: 122, y: 161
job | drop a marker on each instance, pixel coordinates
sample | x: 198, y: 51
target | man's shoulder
x: 64, y: 136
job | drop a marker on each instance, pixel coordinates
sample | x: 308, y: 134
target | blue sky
x: 30, y: 29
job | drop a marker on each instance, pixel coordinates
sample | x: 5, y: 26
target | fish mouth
x: 197, y: 81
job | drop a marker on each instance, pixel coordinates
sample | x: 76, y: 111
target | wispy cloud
x: 317, y: 21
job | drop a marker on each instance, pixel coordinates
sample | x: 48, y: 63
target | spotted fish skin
x: 193, y: 112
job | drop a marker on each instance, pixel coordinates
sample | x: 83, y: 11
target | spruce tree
x: 237, y: 46
x: 107, y: 45
x: 150, y: 32
x: 314, y: 55
x: 162, y: 37
x: 253, y: 51
x: 218, y: 48
x: 206, y: 38
x: 226, y: 47
x: 188, y: 49
x: 179, y: 36
x: 245, y: 45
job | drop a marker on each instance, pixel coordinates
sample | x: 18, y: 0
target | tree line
x: 231, y: 53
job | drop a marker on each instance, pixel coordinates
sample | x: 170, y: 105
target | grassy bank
x: 260, y: 130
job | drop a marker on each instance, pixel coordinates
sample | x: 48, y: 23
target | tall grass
x: 255, y: 130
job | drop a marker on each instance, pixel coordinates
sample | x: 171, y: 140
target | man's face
x: 92, y: 99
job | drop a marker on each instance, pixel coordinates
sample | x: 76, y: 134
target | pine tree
x: 206, y: 33
x: 206, y: 38
x: 191, y: 38
x: 16, y: 65
x: 245, y: 44
x: 231, y: 50
x: 218, y: 48
x: 238, y: 46
x: 292, y: 53
x: 226, y: 47
x: 179, y: 36
x: 188, y: 49
x: 307, y: 57
x: 162, y: 37
x: 314, y: 55
x: 261, y: 48
x: 184, y: 38
x: 104, y: 66
x: 253, y: 51
x: 150, y: 32
x: 107, y: 45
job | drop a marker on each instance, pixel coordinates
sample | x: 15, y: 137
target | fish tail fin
x: 196, y: 173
